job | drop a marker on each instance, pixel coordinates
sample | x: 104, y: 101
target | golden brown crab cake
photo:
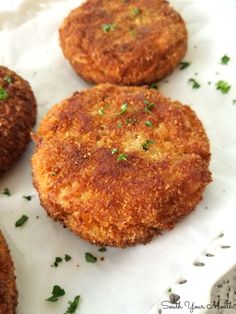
x: 17, y: 116
x: 119, y: 164
x: 8, y: 291
x: 131, y: 42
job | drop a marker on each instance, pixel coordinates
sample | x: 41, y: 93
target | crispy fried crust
x: 8, y: 292
x: 145, y: 42
x: 120, y: 203
x: 17, y: 117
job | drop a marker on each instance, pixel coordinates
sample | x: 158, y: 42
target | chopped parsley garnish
x: 153, y: 86
x: 3, y: 94
x: 195, y: 84
x: 184, y: 64
x: 148, y: 123
x: 225, y: 59
x: 102, y: 249
x: 90, y: 258
x: 7, y: 192
x: 57, y: 261
x: 119, y: 125
x: 114, y: 151
x: 122, y: 157
x: 223, y: 86
x: 21, y: 221
x: 123, y: 108
x: 28, y: 197
x: 108, y: 27
x: 146, y: 145
x: 67, y: 257
x: 101, y: 111
x: 149, y: 106
x: 136, y: 12
x: 73, y: 305
x: 57, y: 292
x: 8, y: 79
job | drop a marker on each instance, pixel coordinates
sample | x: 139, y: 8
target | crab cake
x: 8, y: 292
x: 17, y: 116
x: 117, y: 165
x: 131, y: 42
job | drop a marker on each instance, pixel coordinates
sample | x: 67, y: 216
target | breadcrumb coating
x: 17, y: 117
x: 117, y: 165
x: 8, y: 291
x: 131, y: 42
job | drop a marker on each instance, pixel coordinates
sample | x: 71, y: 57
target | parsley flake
x: 119, y: 125
x: 184, y: 64
x: 149, y: 123
x: 102, y: 249
x: 67, y: 257
x: 8, y: 79
x: 73, y: 305
x: 114, y: 151
x: 108, y: 27
x: 123, y: 108
x: 153, y: 86
x: 122, y: 157
x: 225, y: 59
x: 57, y: 261
x: 149, y: 106
x: 146, y: 145
x: 7, y: 192
x: 223, y: 86
x: 3, y: 94
x: 90, y: 258
x: 195, y: 84
x: 101, y: 111
x: 28, y: 197
x: 136, y: 12
x: 21, y: 221
x: 57, y: 292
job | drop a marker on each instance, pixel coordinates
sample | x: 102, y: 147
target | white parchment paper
x: 128, y: 281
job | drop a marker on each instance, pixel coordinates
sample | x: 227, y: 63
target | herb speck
x: 184, y: 64
x: 225, y: 59
x: 114, y: 151
x: 223, y: 86
x: 3, y: 94
x: 149, y: 123
x: 67, y: 257
x: 195, y: 84
x: 8, y: 79
x: 90, y: 258
x: 28, y: 197
x: 102, y: 249
x: 108, y: 27
x: 7, y: 192
x: 136, y: 12
x: 73, y: 305
x: 21, y: 221
x: 122, y: 157
x: 57, y: 292
x: 146, y: 145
